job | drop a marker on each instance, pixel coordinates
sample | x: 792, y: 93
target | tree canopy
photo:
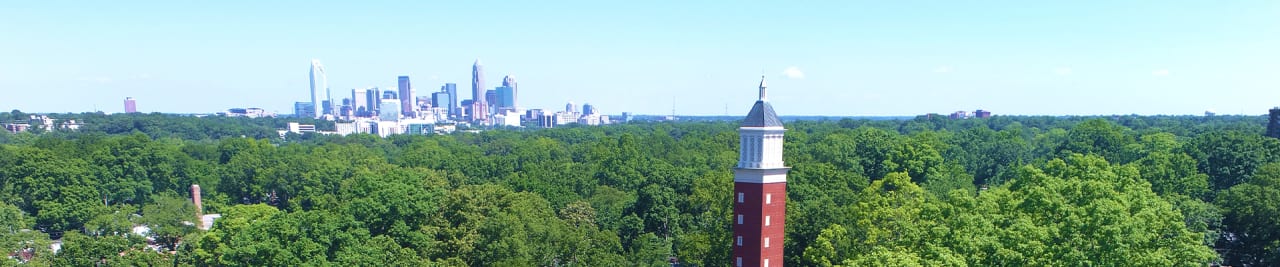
x: 929, y: 191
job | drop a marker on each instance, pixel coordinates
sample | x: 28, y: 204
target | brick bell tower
x: 760, y: 188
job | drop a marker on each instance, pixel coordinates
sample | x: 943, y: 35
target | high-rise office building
x: 130, y: 105
x: 406, y: 95
x: 452, y: 89
x: 588, y: 109
x: 317, y: 71
x: 510, y: 81
x: 304, y: 109
x: 372, y: 96
x: 360, y: 103
x: 345, y: 109
x: 506, y: 98
x: 981, y: 114
x: 389, y: 110
x: 442, y: 100
x: 570, y: 108
x: 480, y: 107
x: 760, y: 188
x: 491, y: 98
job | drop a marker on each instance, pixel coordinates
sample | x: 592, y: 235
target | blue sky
x: 848, y: 57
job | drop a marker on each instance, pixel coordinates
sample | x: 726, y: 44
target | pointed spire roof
x: 762, y: 114
x: 762, y: 88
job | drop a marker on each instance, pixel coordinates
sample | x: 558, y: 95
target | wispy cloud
x: 944, y: 69
x: 1160, y: 72
x: 793, y: 72
x: 1063, y: 71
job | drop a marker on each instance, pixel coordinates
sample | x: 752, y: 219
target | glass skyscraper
x: 452, y: 90
x: 406, y: 95
x: 390, y: 107
x: 510, y: 81
x: 304, y: 109
x: 506, y: 98
x: 317, y: 71
x: 442, y: 100
x: 479, y: 111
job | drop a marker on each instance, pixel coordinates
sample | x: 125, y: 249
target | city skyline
x: 825, y: 58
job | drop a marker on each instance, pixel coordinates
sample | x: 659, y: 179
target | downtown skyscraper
x: 507, y: 97
x: 479, y: 108
x: 318, y: 69
x: 406, y: 95
x: 452, y: 89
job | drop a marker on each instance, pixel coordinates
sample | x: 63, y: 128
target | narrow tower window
x: 766, y: 220
x: 739, y: 262
x: 740, y: 197
x: 739, y: 218
x: 768, y: 198
x: 766, y: 242
x: 739, y: 241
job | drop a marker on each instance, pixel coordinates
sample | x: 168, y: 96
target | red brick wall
x: 753, y: 231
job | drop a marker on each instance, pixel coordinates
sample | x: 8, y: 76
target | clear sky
x: 704, y: 57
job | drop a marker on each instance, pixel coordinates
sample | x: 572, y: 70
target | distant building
x: 510, y: 81
x: 406, y: 96
x: 130, y: 105
x: 317, y: 75
x: 16, y: 127
x: 420, y: 129
x: 593, y: 119
x: 442, y: 100
x: 304, y: 110
x: 1210, y: 113
x: 422, y: 102
x: 346, y: 109
x: 506, y: 98
x: 546, y: 120
x: 389, y: 109
x: 507, y: 118
x: 588, y: 109
x: 326, y: 107
x: 250, y: 112
x: 299, y: 128
x: 452, y: 90
x: 478, y: 107
x: 626, y: 117
x: 532, y: 114
x: 491, y: 97
x: 959, y: 115
x: 359, y: 103
x: 373, y: 97
x: 564, y: 118
x: 981, y: 114
x: 1273, y: 123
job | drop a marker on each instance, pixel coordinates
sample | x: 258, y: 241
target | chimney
x: 195, y: 197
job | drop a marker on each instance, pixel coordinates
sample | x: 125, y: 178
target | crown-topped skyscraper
x: 760, y: 187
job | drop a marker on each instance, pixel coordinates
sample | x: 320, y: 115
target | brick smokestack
x: 195, y: 197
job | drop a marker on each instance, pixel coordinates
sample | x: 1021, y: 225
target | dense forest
x: 929, y: 191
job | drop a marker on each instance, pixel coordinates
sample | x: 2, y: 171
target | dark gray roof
x: 762, y: 115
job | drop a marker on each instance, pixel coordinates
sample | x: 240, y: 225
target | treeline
x: 159, y: 125
x: 1042, y: 191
